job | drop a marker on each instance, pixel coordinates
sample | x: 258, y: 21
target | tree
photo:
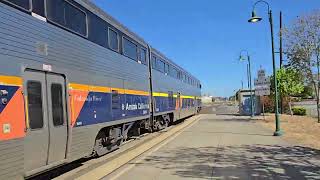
x: 290, y: 83
x: 307, y: 93
x: 302, y: 43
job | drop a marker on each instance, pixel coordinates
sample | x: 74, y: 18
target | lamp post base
x: 278, y: 133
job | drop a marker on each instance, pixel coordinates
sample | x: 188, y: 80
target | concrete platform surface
x: 224, y: 147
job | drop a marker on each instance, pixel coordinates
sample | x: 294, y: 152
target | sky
x: 205, y: 37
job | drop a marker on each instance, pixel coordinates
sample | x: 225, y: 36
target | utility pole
x: 276, y: 106
x: 254, y: 18
x: 248, y: 75
x: 281, y: 60
x: 250, y: 84
x: 249, y: 79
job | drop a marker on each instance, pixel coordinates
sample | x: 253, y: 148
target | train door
x: 195, y: 104
x: 179, y: 105
x: 46, y: 139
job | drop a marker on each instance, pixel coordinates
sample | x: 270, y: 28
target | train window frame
x: 28, y: 102
x: 19, y: 7
x: 95, y: 21
x: 109, y: 39
x: 115, y: 95
x: 141, y: 49
x: 158, y: 66
x: 166, y: 68
x: 175, y: 75
x: 61, y: 105
x: 35, y: 10
x: 84, y: 12
x: 63, y: 26
x: 123, y: 50
x: 153, y: 61
x: 180, y: 75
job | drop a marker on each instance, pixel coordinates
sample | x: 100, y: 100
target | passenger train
x: 74, y: 82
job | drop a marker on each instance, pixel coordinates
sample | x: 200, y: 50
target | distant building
x: 244, y: 98
x: 207, y: 99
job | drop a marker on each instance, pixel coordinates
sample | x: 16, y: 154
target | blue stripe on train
x: 163, y: 104
x: 11, y: 91
x: 98, y: 108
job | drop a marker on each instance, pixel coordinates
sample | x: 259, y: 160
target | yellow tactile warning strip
x: 116, y: 163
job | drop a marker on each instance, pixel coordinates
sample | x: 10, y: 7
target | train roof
x: 105, y: 16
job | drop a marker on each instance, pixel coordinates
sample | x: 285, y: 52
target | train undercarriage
x: 111, y: 138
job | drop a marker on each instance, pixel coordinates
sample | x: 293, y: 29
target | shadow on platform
x: 240, y: 162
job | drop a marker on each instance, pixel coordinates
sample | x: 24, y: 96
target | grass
x: 300, y: 130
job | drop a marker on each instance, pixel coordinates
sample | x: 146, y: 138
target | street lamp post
x: 254, y: 18
x: 249, y: 79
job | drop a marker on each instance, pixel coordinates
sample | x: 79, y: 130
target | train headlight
x: 3, y: 92
x: 4, y: 101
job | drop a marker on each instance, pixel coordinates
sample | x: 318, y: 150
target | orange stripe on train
x: 77, y: 100
x: 12, y: 118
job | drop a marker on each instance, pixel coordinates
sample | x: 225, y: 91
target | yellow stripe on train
x: 90, y: 88
x: 104, y: 89
x: 158, y: 94
x: 11, y: 80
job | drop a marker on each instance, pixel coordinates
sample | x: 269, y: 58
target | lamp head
x: 241, y: 58
x: 254, y: 18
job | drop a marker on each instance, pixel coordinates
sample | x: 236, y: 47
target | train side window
x: 75, y: 19
x: 115, y: 99
x: 180, y: 75
x: 173, y: 72
x: 24, y: 4
x: 143, y: 56
x: 67, y: 15
x: 166, y: 68
x: 35, y: 109
x: 55, y: 11
x: 57, y: 104
x: 38, y: 7
x: 153, y: 61
x: 130, y: 49
x: 160, y: 65
x: 113, y: 38
x: 97, y: 31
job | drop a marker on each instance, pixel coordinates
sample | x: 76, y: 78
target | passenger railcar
x: 74, y: 82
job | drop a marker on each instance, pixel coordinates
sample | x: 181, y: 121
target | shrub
x: 268, y: 104
x: 300, y: 111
